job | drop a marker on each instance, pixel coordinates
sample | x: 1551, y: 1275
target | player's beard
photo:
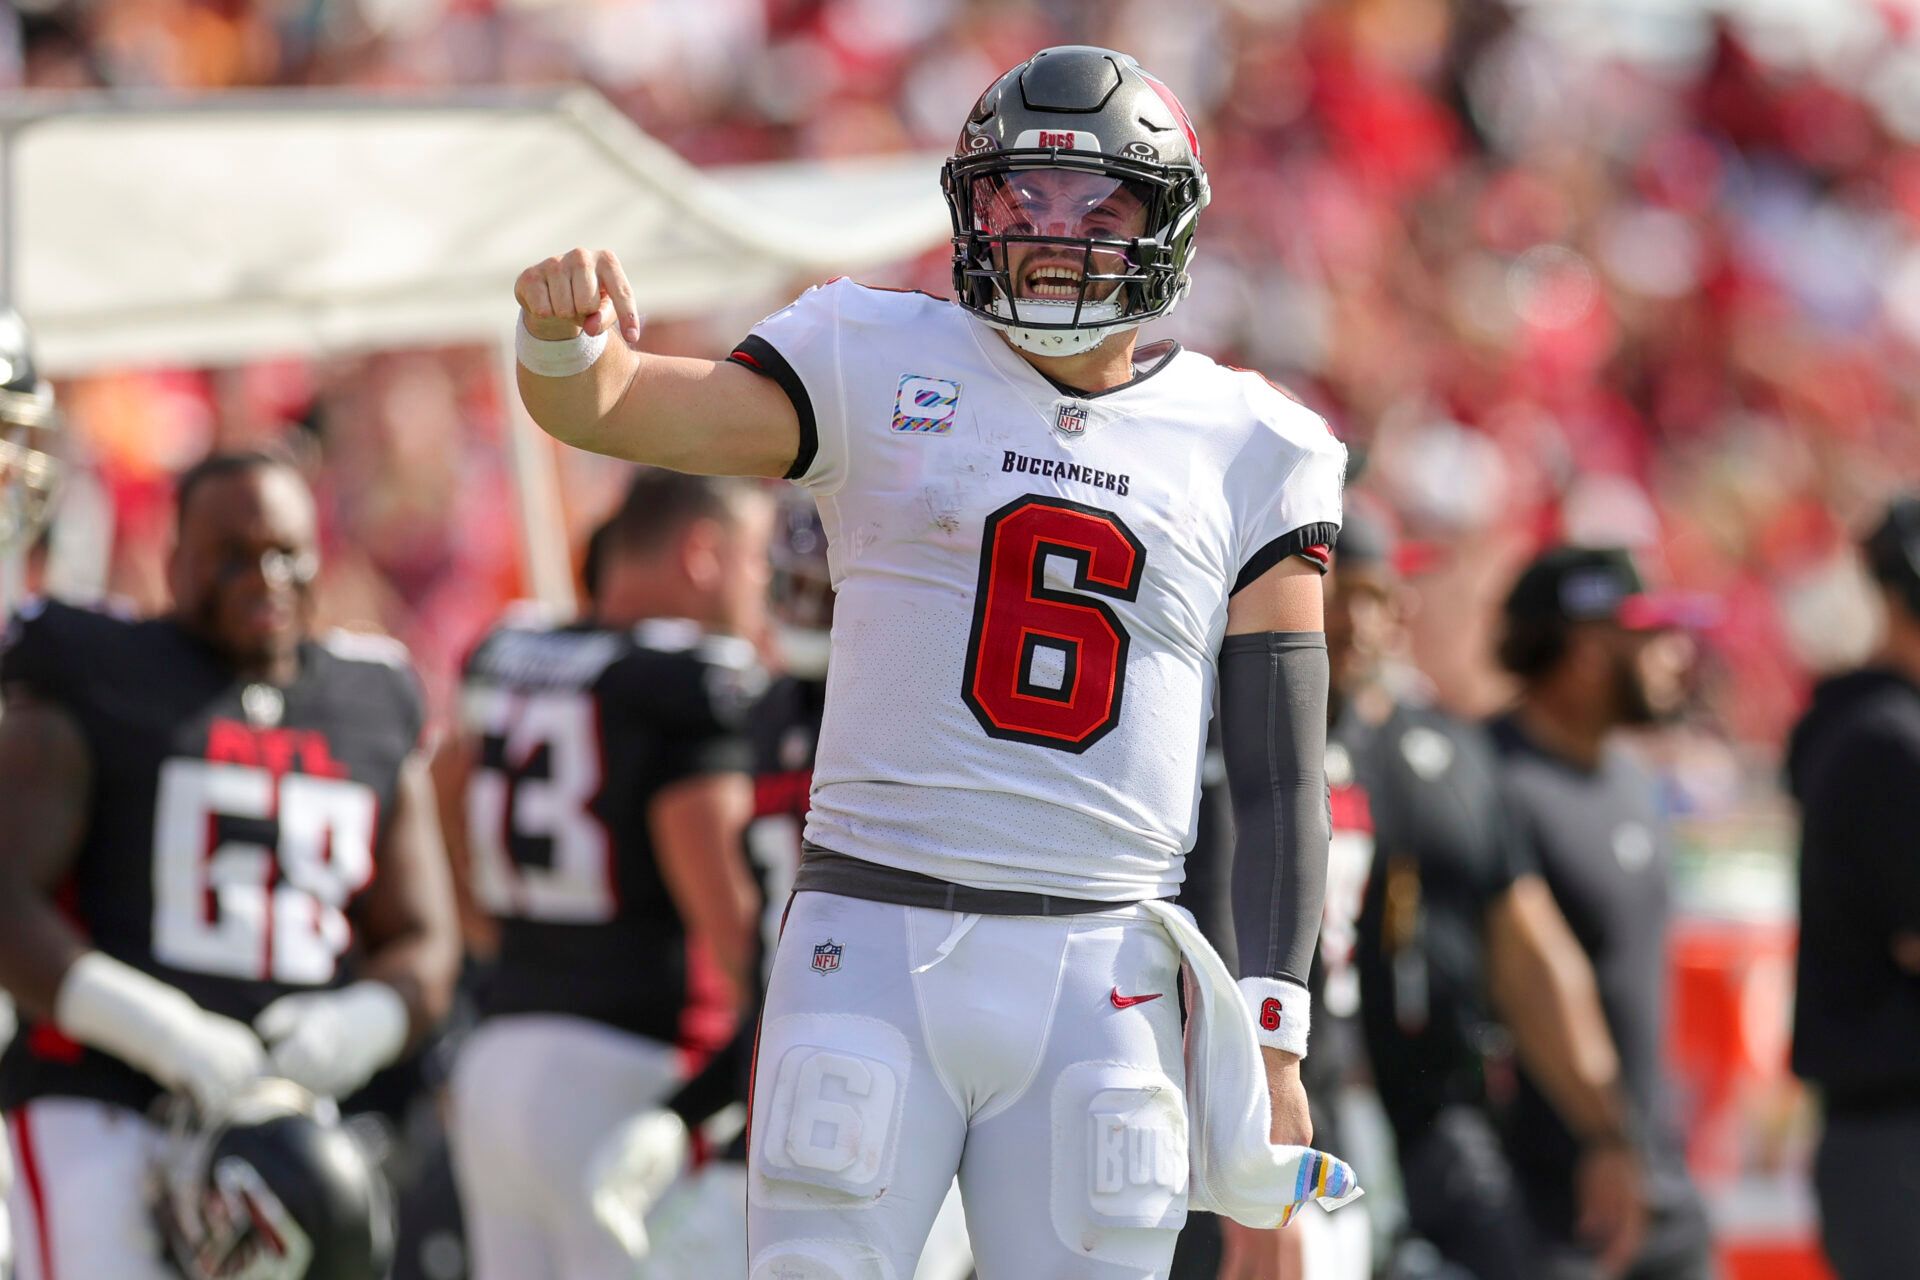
x: 1634, y: 705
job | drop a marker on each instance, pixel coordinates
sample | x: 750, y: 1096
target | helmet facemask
x: 1060, y: 250
x: 29, y: 463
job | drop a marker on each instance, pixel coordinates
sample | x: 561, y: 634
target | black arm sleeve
x: 1273, y: 728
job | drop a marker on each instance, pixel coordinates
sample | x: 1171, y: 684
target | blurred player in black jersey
x: 607, y: 796
x: 29, y: 476
x: 218, y: 858
x: 698, y: 1228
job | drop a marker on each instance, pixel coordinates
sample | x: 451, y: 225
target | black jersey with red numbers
x: 580, y: 729
x: 231, y: 826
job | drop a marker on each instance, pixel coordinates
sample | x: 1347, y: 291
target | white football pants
x: 699, y: 1231
x: 534, y: 1096
x: 79, y: 1203
x: 1037, y: 1057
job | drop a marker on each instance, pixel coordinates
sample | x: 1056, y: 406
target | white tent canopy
x: 216, y: 230
x: 210, y: 231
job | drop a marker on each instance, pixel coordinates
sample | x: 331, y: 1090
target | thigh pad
x: 829, y: 1097
x: 821, y: 1260
x: 1119, y: 1156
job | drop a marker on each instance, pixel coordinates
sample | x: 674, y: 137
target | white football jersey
x: 1032, y: 587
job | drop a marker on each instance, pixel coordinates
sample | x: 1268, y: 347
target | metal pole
x: 544, y: 555
x: 9, y: 247
x: 13, y: 560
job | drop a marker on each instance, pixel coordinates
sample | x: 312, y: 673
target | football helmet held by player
x: 272, y: 1188
x: 29, y: 426
x: 1075, y: 190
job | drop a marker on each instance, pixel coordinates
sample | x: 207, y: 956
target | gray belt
x: 824, y: 871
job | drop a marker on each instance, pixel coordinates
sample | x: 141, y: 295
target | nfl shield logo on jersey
x: 1070, y: 419
x: 826, y: 956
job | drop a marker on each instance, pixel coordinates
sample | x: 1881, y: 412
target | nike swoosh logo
x: 1127, y: 1002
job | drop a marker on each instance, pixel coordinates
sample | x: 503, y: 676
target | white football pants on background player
x: 1040, y: 1057
x: 534, y: 1096
x: 79, y: 1203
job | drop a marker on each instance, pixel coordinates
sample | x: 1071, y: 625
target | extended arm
x: 702, y: 416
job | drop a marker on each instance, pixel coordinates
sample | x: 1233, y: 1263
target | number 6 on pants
x: 831, y: 1116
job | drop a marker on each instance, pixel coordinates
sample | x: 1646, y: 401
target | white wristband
x: 556, y: 359
x: 1282, y: 1013
x: 117, y: 1009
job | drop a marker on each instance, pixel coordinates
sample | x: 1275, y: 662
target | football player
x: 218, y: 859
x: 698, y: 1227
x: 607, y: 797
x: 1048, y: 543
x: 29, y: 472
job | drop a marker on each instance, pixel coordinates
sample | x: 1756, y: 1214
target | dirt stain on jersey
x: 942, y: 509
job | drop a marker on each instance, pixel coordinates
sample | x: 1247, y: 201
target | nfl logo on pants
x: 826, y: 956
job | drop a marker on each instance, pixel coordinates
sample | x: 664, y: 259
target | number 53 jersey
x: 1032, y: 586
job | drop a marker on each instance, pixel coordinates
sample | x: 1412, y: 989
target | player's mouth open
x: 1061, y: 284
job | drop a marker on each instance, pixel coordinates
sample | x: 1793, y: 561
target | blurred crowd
x: 1637, y: 273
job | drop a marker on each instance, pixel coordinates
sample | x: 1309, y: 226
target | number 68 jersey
x: 230, y: 826
x: 1032, y: 586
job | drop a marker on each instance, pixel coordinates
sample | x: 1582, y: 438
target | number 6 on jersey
x: 1048, y: 666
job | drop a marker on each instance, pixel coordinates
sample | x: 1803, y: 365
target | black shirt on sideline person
x: 1595, y: 835
x: 1595, y: 652
x: 1854, y: 765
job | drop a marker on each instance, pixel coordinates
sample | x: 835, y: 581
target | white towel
x: 1234, y: 1170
